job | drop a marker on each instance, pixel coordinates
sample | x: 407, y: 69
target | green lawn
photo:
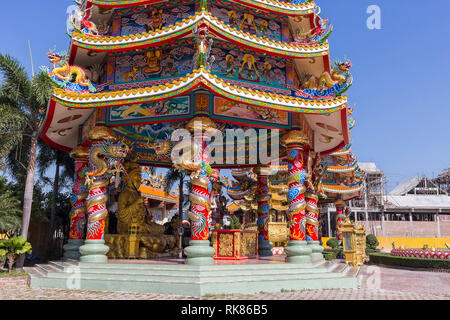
x: 5, y: 273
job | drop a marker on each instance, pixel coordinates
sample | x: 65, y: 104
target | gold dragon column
x: 199, y: 251
x: 297, y: 250
x: 263, y: 199
x: 78, y: 213
x: 105, y: 153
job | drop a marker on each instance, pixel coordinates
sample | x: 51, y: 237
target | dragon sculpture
x: 70, y: 78
x: 327, y: 80
x: 105, y: 159
x: 192, y: 159
x: 110, y: 163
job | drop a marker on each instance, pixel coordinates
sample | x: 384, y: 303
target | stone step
x: 194, y: 288
x: 63, y: 265
x: 47, y: 268
x: 34, y: 272
x: 250, y: 271
x: 193, y: 280
x: 338, y: 267
x: 185, y: 267
x: 197, y: 277
x: 352, y: 271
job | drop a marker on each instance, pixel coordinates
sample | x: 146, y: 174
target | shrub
x: 387, y: 259
x: 332, y: 253
x: 14, y: 247
x: 329, y: 256
x: 371, y: 242
x: 333, y: 243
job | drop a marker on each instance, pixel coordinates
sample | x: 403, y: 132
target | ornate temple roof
x: 282, y: 7
x: 199, y: 77
x: 186, y: 26
x: 157, y: 194
x: 152, y: 187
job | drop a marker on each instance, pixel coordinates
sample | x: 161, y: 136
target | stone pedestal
x: 72, y: 249
x: 298, y: 252
x: 94, y: 251
x: 264, y: 248
x: 317, y: 249
x: 199, y: 253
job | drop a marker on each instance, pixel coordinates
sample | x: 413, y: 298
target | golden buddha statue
x: 131, y: 205
x: 152, y: 240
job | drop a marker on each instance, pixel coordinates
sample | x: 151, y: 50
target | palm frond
x: 15, y: 80
x: 172, y: 176
x: 42, y: 87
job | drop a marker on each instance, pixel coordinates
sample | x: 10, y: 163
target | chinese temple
x: 139, y: 75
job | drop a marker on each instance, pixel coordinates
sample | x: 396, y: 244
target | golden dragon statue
x: 327, y: 80
x: 105, y: 158
x: 71, y: 78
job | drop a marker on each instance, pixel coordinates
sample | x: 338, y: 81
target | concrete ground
x: 375, y: 283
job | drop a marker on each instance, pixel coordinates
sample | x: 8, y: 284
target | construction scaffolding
x: 443, y: 180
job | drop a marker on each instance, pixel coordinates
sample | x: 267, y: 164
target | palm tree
x: 173, y: 176
x: 26, y: 100
x: 64, y: 172
x: 10, y: 213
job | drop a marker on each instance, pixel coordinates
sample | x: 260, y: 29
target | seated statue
x: 131, y: 206
x: 153, y: 243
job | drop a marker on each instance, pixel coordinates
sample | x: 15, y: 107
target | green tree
x: 10, y: 212
x: 63, y: 177
x: 172, y: 177
x: 24, y: 99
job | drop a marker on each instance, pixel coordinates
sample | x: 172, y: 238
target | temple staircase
x: 193, y: 281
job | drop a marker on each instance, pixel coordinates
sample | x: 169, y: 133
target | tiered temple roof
x: 139, y: 54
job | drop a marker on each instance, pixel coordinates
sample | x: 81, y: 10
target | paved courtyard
x: 375, y: 284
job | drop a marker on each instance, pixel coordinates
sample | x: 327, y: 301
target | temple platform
x: 172, y: 276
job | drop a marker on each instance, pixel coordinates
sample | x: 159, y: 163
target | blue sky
x: 401, y: 73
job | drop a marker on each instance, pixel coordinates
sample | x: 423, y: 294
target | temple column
x: 78, y: 213
x: 94, y: 249
x: 199, y: 251
x: 263, y: 199
x: 312, y: 226
x: 297, y: 250
x: 340, y: 218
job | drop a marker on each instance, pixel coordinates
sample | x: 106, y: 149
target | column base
x: 94, y: 251
x: 298, y: 252
x: 199, y: 253
x: 72, y: 249
x: 265, y: 248
x: 317, y: 249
